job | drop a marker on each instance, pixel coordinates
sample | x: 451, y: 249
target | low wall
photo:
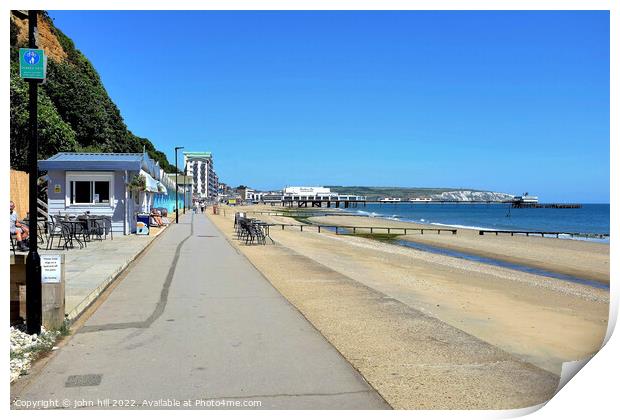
x: 52, y: 295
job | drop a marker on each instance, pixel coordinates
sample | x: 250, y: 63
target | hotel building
x: 200, y: 168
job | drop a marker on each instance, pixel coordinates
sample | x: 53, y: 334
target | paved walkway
x: 90, y: 269
x: 194, y: 320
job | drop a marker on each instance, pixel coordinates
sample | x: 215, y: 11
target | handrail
x: 42, y: 208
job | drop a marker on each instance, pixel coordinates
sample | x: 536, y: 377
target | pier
x: 355, y: 203
x: 521, y: 205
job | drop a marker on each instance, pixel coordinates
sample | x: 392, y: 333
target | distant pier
x: 520, y: 205
x: 355, y: 203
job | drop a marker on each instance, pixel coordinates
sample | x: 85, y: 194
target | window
x: 94, y: 188
x: 82, y: 192
x: 102, y: 192
x: 90, y: 192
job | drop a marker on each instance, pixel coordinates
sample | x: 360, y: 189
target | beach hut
x: 168, y: 200
x: 118, y: 185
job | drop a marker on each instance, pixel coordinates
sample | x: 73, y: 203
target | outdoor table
x: 92, y: 224
x: 73, y: 224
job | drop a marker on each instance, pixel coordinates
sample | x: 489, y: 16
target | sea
x: 589, y: 219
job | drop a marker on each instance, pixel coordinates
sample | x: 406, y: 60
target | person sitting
x: 18, y: 229
x: 156, y: 217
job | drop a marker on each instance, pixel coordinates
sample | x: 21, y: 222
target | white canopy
x: 151, y: 183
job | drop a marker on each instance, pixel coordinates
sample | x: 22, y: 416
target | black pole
x: 176, y: 181
x: 33, y: 261
x: 185, y: 190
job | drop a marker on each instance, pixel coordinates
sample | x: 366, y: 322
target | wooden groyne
x: 368, y: 229
x: 543, y: 233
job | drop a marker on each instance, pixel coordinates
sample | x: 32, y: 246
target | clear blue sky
x: 504, y: 101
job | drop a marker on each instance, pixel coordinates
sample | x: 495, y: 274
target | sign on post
x: 32, y: 64
x: 51, y: 269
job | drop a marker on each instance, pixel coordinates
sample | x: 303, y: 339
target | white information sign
x: 51, y: 268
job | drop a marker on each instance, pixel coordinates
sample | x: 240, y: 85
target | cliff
x: 448, y: 194
x: 75, y: 111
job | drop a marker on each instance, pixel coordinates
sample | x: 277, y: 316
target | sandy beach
x: 433, y: 331
x: 584, y: 259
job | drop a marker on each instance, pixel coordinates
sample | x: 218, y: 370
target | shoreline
x: 578, y: 236
x: 511, y: 249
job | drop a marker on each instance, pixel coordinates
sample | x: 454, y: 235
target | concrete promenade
x: 193, y: 320
x: 90, y: 269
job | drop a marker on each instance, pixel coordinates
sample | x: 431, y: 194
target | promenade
x: 89, y: 270
x: 194, y: 321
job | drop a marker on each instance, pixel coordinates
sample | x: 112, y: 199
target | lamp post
x: 176, y: 182
x: 33, y: 260
x: 185, y: 189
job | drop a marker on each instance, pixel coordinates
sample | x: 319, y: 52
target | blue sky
x: 504, y: 101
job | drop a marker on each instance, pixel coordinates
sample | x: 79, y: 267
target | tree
x: 55, y: 135
x: 75, y: 111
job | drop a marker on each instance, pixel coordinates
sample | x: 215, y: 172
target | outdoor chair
x: 42, y: 231
x: 58, y: 230
x: 238, y: 217
x: 250, y: 231
x: 107, y: 226
x: 243, y: 229
x: 81, y: 230
x: 236, y: 225
x: 256, y: 233
x: 264, y: 230
x: 92, y: 228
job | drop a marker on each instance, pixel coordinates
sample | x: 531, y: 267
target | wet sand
x: 531, y: 324
x: 584, y: 259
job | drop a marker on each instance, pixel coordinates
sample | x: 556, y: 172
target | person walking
x: 202, y: 206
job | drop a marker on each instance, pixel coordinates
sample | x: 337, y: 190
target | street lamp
x: 33, y: 260
x: 185, y: 189
x: 176, y: 181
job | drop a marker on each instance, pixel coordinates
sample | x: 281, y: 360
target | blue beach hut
x: 102, y: 184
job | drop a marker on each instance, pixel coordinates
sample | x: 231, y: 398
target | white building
x: 316, y: 194
x: 308, y: 193
x: 200, y: 167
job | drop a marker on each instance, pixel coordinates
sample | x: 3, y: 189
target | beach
x: 433, y: 331
x: 585, y: 259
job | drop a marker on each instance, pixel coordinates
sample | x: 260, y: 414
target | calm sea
x: 591, y: 218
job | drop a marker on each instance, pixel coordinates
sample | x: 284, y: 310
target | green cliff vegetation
x: 75, y: 112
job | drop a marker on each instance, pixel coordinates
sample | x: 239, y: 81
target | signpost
x: 51, y: 270
x: 32, y: 65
